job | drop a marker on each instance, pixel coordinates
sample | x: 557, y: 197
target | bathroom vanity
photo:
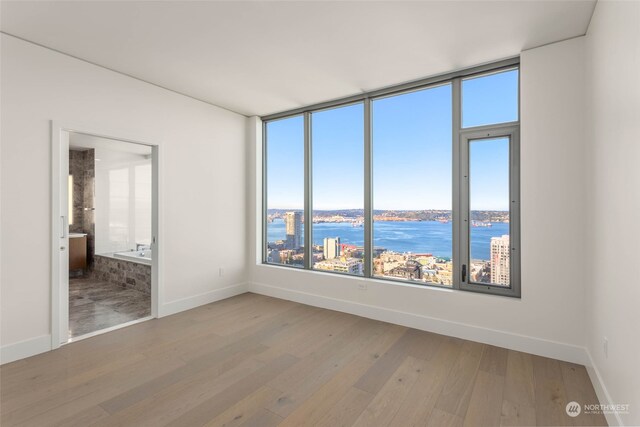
x: 77, y: 251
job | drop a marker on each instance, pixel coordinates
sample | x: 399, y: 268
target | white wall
x: 548, y: 319
x: 123, y: 206
x: 613, y: 201
x: 202, y: 183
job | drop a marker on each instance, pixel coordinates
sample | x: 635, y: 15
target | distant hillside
x: 408, y: 215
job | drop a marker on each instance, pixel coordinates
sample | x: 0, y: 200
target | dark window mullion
x: 308, y: 208
x: 457, y: 182
x: 368, y: 191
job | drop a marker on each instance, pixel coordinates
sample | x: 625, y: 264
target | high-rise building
x: 331, y: 247
x: 273, y: 256
x: 293, y: 223
x: 500, y: 266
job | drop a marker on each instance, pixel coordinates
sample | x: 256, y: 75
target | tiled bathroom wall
x: 76, y: 170
x: 82, y: 168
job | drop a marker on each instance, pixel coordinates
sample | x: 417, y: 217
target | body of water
x: 416, y: 237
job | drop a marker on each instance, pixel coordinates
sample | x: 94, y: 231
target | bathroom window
x: 142, y: 204
x: 119, y: 209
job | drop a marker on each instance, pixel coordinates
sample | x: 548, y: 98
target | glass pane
x: 143, y: 200
x: 337, y: 137
x: 490, y: 99
x: 119, y: 209
x: 412, y: 179
x: 489, y: 205
x: 285, y: 191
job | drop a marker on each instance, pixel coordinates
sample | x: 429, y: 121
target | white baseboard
x: 188, y: 303
x: 27, y: 348
x: 541, y: 347
x: 613, y: 419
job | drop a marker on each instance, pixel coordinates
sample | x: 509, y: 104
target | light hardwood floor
x: 258, y: 361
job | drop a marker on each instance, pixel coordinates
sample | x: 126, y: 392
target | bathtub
x: 141, y: 257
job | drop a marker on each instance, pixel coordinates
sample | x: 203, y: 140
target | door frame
x: 59, y: 223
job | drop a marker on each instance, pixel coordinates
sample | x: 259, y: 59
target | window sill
x: 358, y: 278
x: 378, y: 281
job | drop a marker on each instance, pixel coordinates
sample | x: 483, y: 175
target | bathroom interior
x: 110, y: 227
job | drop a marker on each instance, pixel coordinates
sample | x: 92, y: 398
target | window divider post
x: 368, y: 193
x: 308, y: 213
x: 456, y: 217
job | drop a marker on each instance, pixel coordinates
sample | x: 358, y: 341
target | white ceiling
x: 264, y: 57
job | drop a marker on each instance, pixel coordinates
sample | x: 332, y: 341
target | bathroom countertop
x: 72, y: 235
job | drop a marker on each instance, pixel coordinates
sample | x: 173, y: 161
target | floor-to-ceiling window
x: 338, y: 189
x: 284, y: 198
x: 417, y: 184
x: 412, y: 198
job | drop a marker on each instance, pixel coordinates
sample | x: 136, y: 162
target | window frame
x: 460, y: 181
x: 512, y: 132
x: 455, y: 108
x: 309, y: 177
x: 265, y: 241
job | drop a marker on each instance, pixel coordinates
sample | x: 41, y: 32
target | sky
x: 412, y: 150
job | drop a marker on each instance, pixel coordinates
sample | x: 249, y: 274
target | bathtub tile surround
x: 125, y: 274
x: 82, y: 168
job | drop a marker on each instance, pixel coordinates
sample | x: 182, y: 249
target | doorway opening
x: 106, y: 241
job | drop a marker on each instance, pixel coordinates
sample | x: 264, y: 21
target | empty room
x: 319, y: 213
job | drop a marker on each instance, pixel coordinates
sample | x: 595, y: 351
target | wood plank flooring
x: 252, y: 360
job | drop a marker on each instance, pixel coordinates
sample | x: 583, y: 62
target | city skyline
x: 425, y: 263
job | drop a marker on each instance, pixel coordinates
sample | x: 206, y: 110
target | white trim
x: 59, y: 257
x: 23, y: 349
x: 613, y: 419
x: 59, y: 296
x: 188, y: 303
x: 157, y: 230
x: 527, y: 344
